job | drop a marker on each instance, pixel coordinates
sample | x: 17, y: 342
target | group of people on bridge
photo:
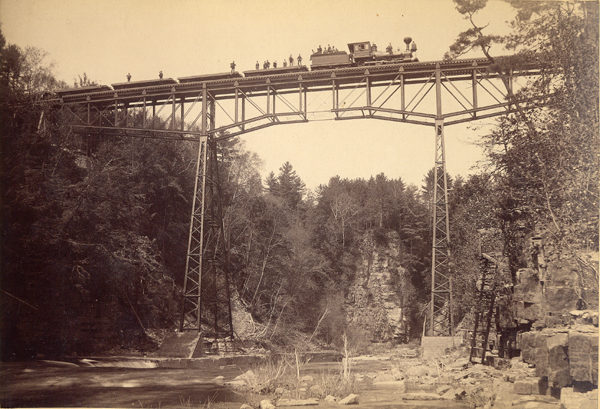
x: 328, y: 50
x: 267, y: 64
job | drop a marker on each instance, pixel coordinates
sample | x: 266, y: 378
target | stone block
x: 528, y: 386
x: 575, y: 400
x: 558, y: 361
x: 583, y: 355
x: 351, y: 399
x: 528, y: 311
x: 540, y: 352
x: 526, y: 343
x: 560, y: 298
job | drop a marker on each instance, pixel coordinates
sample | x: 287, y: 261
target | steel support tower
x: 206, y: 304
x: 440, y: 317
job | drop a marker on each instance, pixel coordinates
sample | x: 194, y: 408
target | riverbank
x: 397, y: 378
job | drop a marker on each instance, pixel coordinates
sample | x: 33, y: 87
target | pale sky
x: 108, y: 38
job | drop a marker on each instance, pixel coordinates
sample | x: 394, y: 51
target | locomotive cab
x: 361, y: 51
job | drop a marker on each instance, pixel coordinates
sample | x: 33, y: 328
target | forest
x: 94, y: 230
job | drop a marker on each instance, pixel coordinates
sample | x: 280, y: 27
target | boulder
x: 351, y: 399
x: 330, y: 398
x: 249, y: 377
x: 442, y: 389
x: 583, y: 354
x: 575, y: 400
x: 266, y: 404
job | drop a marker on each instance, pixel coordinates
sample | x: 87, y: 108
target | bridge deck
x: 379, y: 75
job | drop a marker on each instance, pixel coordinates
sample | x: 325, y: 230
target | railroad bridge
x: 435, y: 94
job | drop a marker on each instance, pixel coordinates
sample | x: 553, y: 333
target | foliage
x: 92, y: 230
x: 545, y: 161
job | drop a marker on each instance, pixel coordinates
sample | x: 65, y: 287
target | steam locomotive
x: 362, y: 53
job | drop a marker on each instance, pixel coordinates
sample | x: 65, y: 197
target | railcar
x: 209, y: 77
x: 143, y: 83
x: 68, y: 92
x: 276, y: 70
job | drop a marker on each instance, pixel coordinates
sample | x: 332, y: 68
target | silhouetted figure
x: 328, y: 48
x: 291, y: 60
x: 389, y: 49
x: 274, y: 64
x: 128, y: 77
x: 232, y: 65
x: 160, y: 74
x: 268, y: 64
x: 299, y: 59
x: 319, y: 49
x: 257, y: 65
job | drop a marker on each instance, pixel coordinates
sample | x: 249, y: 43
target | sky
x: 106, y: 39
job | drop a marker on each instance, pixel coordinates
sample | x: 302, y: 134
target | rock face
x: 375, y: 301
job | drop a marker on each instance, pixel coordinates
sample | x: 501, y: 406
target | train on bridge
x: 362, y: 53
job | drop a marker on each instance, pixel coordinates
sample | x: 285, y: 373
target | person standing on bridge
x: 232, y: 65
x: 257, y: 65
x: 160, y: 74
x: 291, y: 60
x: 128, y: 77
x: 299, y: 59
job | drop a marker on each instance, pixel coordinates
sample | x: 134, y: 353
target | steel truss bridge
x: 435, y: 94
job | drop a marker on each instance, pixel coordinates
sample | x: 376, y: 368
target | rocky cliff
x: 377, y: 299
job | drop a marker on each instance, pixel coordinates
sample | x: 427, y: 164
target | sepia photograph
x: 260, y: 204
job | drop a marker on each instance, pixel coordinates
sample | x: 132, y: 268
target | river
x: 89, y: 384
